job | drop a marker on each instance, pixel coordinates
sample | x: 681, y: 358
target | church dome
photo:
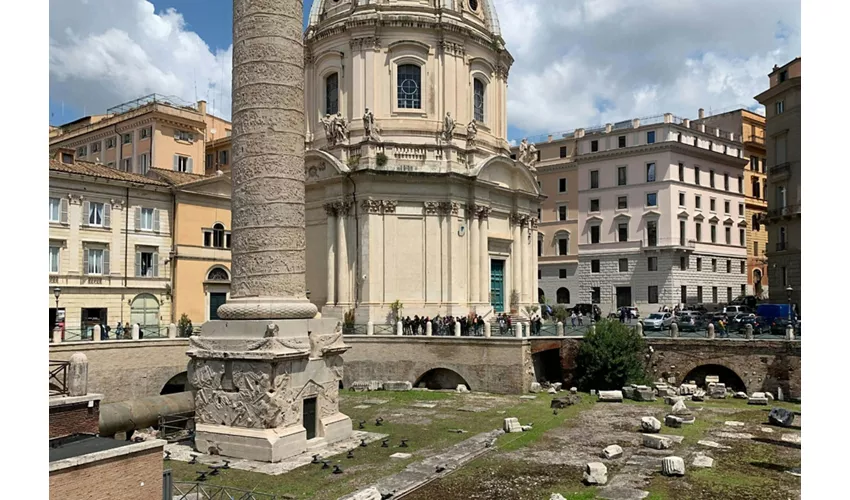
x: 475, y: 11
x: 414, y: 84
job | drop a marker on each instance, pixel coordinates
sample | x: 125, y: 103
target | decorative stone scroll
x: 431, y: 208
x: 483, y: 212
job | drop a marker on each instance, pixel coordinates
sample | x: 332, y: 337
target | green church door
x: 497, y: 285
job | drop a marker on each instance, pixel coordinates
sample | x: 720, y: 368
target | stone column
x: 475, y: 292
x: 484, y: 251
x: 516, y: 255
x: 269, y: 236
x: 523, y: 263
x: 344, y: 291
x: 78, y: 375
x: 532, y: 276
x: 331, y: 247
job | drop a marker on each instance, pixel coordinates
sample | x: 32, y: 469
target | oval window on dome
x: 473, y: 4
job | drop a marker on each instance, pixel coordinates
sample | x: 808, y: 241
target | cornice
x: 675, y: 147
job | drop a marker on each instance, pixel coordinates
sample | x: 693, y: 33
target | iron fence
x: 354, y: 329
x: 176, y: 426
x: 58, y: 380
x: 182, y: 490
x: 384, y: 329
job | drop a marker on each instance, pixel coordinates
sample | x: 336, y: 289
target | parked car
x: 658, y: 321
x: 760, y: 325
x: 778, y: 326
x: 733, y: 310
x: 689, y: 321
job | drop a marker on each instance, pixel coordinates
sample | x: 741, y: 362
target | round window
x: 473, y: 4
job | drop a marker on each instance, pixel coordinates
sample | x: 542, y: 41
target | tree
x: 610, y: 357
x: 184, y: 326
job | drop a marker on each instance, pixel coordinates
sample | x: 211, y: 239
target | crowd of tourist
x: 472, y: 325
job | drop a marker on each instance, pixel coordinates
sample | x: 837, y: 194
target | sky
x: 578, y: 63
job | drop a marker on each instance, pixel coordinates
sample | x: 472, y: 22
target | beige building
x: 782, y: 102
x: 152, y: 131
x: 411, y: 191
x: 750, y: 127
x: 557, y: 241
x: 661, y: 214
x: 110, y: 236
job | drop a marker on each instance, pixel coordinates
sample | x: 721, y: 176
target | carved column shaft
x: 269, y: 237
x: 484, y: 250
x: 331, y: 245
x: 524, y: 265
x: 516, y: 255
x: 343, y: 291
x: 533, y: 273
x: 475, y: 258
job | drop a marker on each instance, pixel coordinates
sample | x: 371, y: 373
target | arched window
x: 218, y: 274
x: 144, y: 310
x: 332, y: 94
x: 562, y: 239
x: 218, y: 235
x: 541, y: 297
x: 562, y: 296
x: 409, y: 86
x: 478, y: 101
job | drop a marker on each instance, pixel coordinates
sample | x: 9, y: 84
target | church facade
x: 412, y: 195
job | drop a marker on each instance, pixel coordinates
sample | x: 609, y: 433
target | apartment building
x: 557, y: 244
x: 782, y: 102
x: 154, y: 131
x: 109, y: 243
x: 661, y: 214
x: 200, y: 255
x: 750, y: 126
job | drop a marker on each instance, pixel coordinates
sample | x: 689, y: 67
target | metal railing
x: 58, y: 379
x: 181, y: 490
x: 781, y: 168
x: 787, y: 210
x: 354, y: 329
x: 755, y: 139
x: 176, y: 426
x: 667, y: 242
x: 145, y: 332
x: 385, y: 329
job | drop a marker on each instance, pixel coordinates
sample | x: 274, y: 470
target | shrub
x: 381, y: 159
x: 353, y: 161
x: 184, y: 325
x: 561, y: 313
x: 611, y: 357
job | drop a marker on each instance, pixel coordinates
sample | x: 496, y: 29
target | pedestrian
x: 580, y: 319
x: 119, y: 331
x: 128, y: 331
x: 573, y: 318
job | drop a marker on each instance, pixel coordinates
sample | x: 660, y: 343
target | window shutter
x: 138, y: 263
x: 107, y: 210
x: 63, y: 210
x: 138, y: 212
x: 176, y: 158
x: 189, y: 165
x: 106, y: 262
x: 156, y: 220
x: 85, y: 260
x: 85, y: 213
x: 155, y: 259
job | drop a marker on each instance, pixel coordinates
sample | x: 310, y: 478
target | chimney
x: 202, y: 107
x: 549, y: 139
x: 701, y: 113
x: 65, y: 155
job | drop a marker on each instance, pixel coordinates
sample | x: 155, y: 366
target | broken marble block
x: 687, y: 419
x: 573, y: 390
x: 686, y: 389
x: 563, y: 402
x: 552, y: 390
x: 595, y: 473
x: 661, y: 386
x: 558, y: 385
x: 698, y: 395
x: 673, y: 421
x: 646, y: 394
x: 366, y: 385
x: 512, y: 425
x: 769, y: 396
x: 673, y: 466
x: 629, y: 392
x: 535, y: 387
x: 461, y: 388
x: 718, y: 391
x: 612, y: 452
x: 680, y: 409
x: 657, y: 442
x: 741, y: 395
x: 556, y: 496
x: 758, y: 398
x: 703, y: 461
x: 371, y: 493
x: 781, y: 417
x: 593, y: 392
x: 650, y: 424
x: 398, y: 385
x: 611, y: 396
x: 712, y: 379
x: 671, y: 400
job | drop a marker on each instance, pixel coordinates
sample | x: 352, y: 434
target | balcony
x: 787, y: 211
x: 754, y: 140
x: 781, y: 169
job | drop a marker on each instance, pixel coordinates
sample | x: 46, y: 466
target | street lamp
x: 56, y: 292
x: 789, y: 291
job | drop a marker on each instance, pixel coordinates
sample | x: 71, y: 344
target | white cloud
x: 639, y: 58
x: 105, y: 52
x: 630, y: 58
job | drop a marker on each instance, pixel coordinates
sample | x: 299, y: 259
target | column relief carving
x: 371, y: 206
x: 483, y: 212
x: 431, y: 207
x: 330, y: 209
x: 390, y: 206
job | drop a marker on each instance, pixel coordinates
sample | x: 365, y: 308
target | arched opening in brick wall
x: 727, y: 376
x: 441, y: 378
x: 547, y: 365
x: 177, y: 383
